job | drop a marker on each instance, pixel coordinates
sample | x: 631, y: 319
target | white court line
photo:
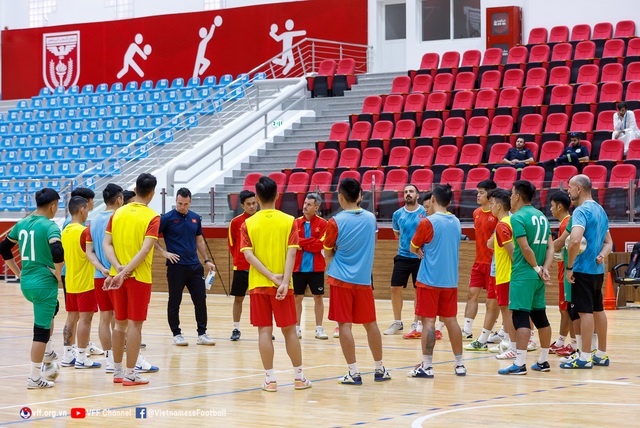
x: 417, y: 423
x: 84, y: 397
x: 554, y: 380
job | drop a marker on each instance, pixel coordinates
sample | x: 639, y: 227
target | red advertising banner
x: 227, y: 41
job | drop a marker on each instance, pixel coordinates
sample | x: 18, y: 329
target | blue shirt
x: 439, y: 267
x: 98, y: 229
x: 180, y: 231
x: 593, y: 219
x: 306, y: 265
x: 355, y: 243
x: 406, y: 222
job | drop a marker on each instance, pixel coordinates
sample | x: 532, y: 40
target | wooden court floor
x: 220, y: 385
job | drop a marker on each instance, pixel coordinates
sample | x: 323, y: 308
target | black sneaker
x: 541, y: 367
x: 235, y: 335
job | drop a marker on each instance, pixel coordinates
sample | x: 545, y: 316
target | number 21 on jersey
x: 26, y: 239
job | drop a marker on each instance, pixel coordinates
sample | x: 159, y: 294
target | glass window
x: 395, y: 21
x: 466, y: 19
x: 39, y: 11
x: 212, y: 4
x: 436, y: 20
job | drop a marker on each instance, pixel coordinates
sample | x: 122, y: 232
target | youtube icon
x: 78, y: 413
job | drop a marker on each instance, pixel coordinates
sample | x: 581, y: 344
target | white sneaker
x: 320, y: 334
x: 179, y: 340
x: 509, y: 354
x: 87, y: 364
x: 394, y: 328
x: 571, y: 358
x: 94, y: 349
x: 299, y: 332
x: 203, y: 339
x: 143, y: 366
x: 414, y: 326
x: 495, y: 337
x: 336, y: 332
x: 532, y: 346
x: 39, y: 383
x: 50, y: 357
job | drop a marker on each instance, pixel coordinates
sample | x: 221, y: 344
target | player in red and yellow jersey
x: 131, y: 234
x: 485, y: 224
x: 269, y: 241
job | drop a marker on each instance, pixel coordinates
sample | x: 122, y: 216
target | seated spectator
x: 573, y: 154
x: 518, y: 156
x: 624, y: 125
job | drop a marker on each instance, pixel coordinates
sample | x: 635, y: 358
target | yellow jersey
x: 79, y: 276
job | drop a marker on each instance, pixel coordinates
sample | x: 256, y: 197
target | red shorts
x: 131, y: 300
x: 481, y: 277
x: 502, y: 292
x: 264, y: 307
x: 436, y: 301
x: 102, y: 297
x: 562, y: 304
x: 351, y: 303
x: 81, y: 302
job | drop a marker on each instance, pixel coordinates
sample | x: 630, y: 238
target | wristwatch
x: 207, y: 261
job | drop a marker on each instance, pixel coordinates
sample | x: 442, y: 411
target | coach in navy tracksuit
x: 182, y: 230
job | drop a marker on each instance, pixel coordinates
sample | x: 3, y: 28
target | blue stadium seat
x: 172, y: 123
x: 15, y: 129
x: 242, y: 79
x: 40, y: 116
x: 179, y: 107
x: 156, y: 122
x: 235, y: 94
x: 22, y: 104
x: 61, y: 128
x: 115, y: 138
x: 42, y: 155
x: 102, y: 88
x: 131, y: 86
x: 36, y: 103
x: 79, y: 101
x: 87, y: 89
x: 7, y: 142
x: 67, y: 140
x: 106, y: 152
x: 26, y: 156
x: 31, y: 171
x: 92, y: 125
x: 260, y: 76
x: 52, y: 141
x: 187, y: 94
x: 13, y: 116
x: 132, y: 110
x: 4, y: 129
x: 99, y: 139
x: 108, y: 99
x: 6, y: 187
x: 113, y: 112
x: 194, y: 82
x: 177, y: 83
x: 225, y: 80
x: 90, y: 154
x: 56, y: 185
x: 191, y: 121
x: 45, y: 92
x: 15, y: 171
x: 7, y: 203
x: 165, y: 137
x: 154, y: 98
x: 9, y: 156
x: 51, y: 103
x: 123, y: 124
x: 79, y: 168
x: 76, y: 126
x: 82, y: 139
x: 141, y: 124
x: 34, y: 186
x: 203, y: 93
x: 85, y: 113
x: 94, y: 101
x: 73, y: 90
x: 70, y: 114
x: 123, y: 98
x: 163, y: 110
x: 171, y: 96
x: 63, y: 170
x: 139, y: 98
x: 36, y: 141
x: 55, y: 114
x: 65, y: 102
x: 107, y: 125
x: 209, y: 81
x: 3, y: 170
x: 73, y: 154
x: 148, y: 110
x: 46, y: 128
x: 162, y: 85
x: 59, y: 91
x: 21, y: 143
x: 147, y: 85
x: 117, y: 87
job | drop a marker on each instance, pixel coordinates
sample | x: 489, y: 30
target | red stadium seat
x: 338, y: 137
x: 602, y: 30
x: 322, y: 83
x: 550, y: 150
x: 281, y: 180
x: 498, y: 153
x: 474, y: 177
x: 371, y: 107
x: 392, y: 195
x: 633, y: 72
x: 517, y: 57
x: 422, y: 84
x: 293, y: 196
x: 485, y: 103
x: 535, y: 175
x: 453, y: 132
x: 559, y: 34
x: 470, y: 61
x: 371, y: 159
x: 632, y: 95
x: 585, y: 98
x: 468, y: 195
x: 613, y: 52
x: 436, y: 106
x: 633, y: 51
x: 625, y: 30
x: 598, y: 176
x: 465, y: 81
x: 559, y: 76
x: 381, y: 135
x: 532, y: 101
x: 603, y: 130
x: 327, y: 160
x: 580, y: 32
x: 534, y: 147
x: 321, y: 182
x: 428, y: 65
x: 430, y: 133
x: 504, y: 177
x: 414, y: 106
x: 536, y: 77
x: 561, y: 176
x: 422, y: 158
x: 371, y: 179
x: 443, y: 82
x: 491, y: 79
x: 401, y: 85
x: 616, y: 197
x: 585, y: 50
x: 611, y: 152
x: 509, y: 102
x: 477, y: 131
x: 633, y: 153
x: 561, y: 55
x: 404, y: 134
x: 582, y: 122
x: 455, y: 178
x: 470, y: 156
x: 612, y: 72
x: 449, y: 63
x: 539, y: 56
x: 345, y: 76
x: 531, y: 127
x: 422, y: 179
x: 537, y: 36
x: 462, y: 104
x: 492, y: 60
x: 249, y: 184
x: 446, y: 155
x: 398, y: 158
x: 393, y: 106
x: 556, y: 127
x: 501, y: 129
x: 610, y: 95
x: 561, y: 99
x: 588, y: 73
x: 513, y: 78
x: 360, y: 134
x: 306, y: 161
x: 349, y: 159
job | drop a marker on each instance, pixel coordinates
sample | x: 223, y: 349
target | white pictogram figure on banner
x: 202, y: 63
x: 286, y: 60
x: 132, y: 50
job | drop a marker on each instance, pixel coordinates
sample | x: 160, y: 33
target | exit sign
x: 276, y: 123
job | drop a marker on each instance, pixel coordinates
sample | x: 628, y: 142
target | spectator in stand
x: 518, y: 156
x: 624, y: 125
x: 573, y: 154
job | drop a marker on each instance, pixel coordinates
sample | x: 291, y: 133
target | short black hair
x: 622, y: 104
x: 502, y: 196
x: 246, y: 194
x: 184, y: 192
x: 110, y: 193
x: 525, y: 189
x: 45, y: 196
x: 84, y: 192
x: 127, y: 195
x: 145, y: 184
x: 561, y: 197
x: 487, y: 185
x: 575, y: 134
x: 426, y: 196
x: 443, y: 194
x: 350, y: 189
x: 266, y: 189
x: 76, y: 203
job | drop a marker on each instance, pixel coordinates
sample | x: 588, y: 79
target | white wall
x: 535, y: 13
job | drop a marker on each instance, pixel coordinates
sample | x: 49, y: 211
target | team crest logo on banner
x: 61, y: 59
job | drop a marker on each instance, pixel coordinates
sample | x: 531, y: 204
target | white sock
x: 117, y: 366
x: 353, y: 368
x: 236, y: 325
x: 585, y: 356
x: 49, y: 347
x: 574, y: 343
x: 399, y: 322
x: 81, y: 354
x: 512, y: 346
x: 427, y: 361
x: 459, y: 360
x: 271, y: 377
x: 601, y: 354
x: 594, y: 342
x: 297, y: 371
x: 501, y: 332
x: 579, y: 341
x: 379, y: 365
x: 484, y: 336
x: 521, y: 357
x: 440, y: 326
x: 35, y: 370
x: 68, y: 351
x: 533, y: 336
x: 419, y: 326
x: 544, y: 355
x: 108, y: 355
x: 506, y: 337
x: 130, y: 373
x: 560, y: 340
x: 468, y: 324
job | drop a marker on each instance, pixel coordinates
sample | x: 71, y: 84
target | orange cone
x: 609, y: 296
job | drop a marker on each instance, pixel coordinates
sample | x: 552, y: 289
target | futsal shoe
x: 602, y: 362
x: 179, y: 340
x: 460, y: 370
x: 553, y: 348
x: 134, y: 381
x: 466, y: 336
x: 336, y: 333
x: 94, y: 349
x: 509, y: 354
x: 351, y: 379
x: 577, y: 364
x: 118, y: 375
x: 541, y: 367
x: 571, y: 357
x: 39, y: 383
x: 514, y: 370
x: 302, y: 384
x: 565, y: 351
x: 87, y: 364
x: 394, y: 328
x: 320, y: 334
x: 270, y: 386
x: 438, y: 335
x: 495, y: 337
x: 143, y: 366
x: 50, y: 357
x: 381, y: 375
x: 68, y: 363
x: 422, y: 372
x: 413, y: 334
x: 235, y: 335
x: 476, y: 346
x: 204, y: 339
x: 532, y: 346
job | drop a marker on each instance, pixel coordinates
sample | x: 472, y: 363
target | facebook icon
x: 141, y: 413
